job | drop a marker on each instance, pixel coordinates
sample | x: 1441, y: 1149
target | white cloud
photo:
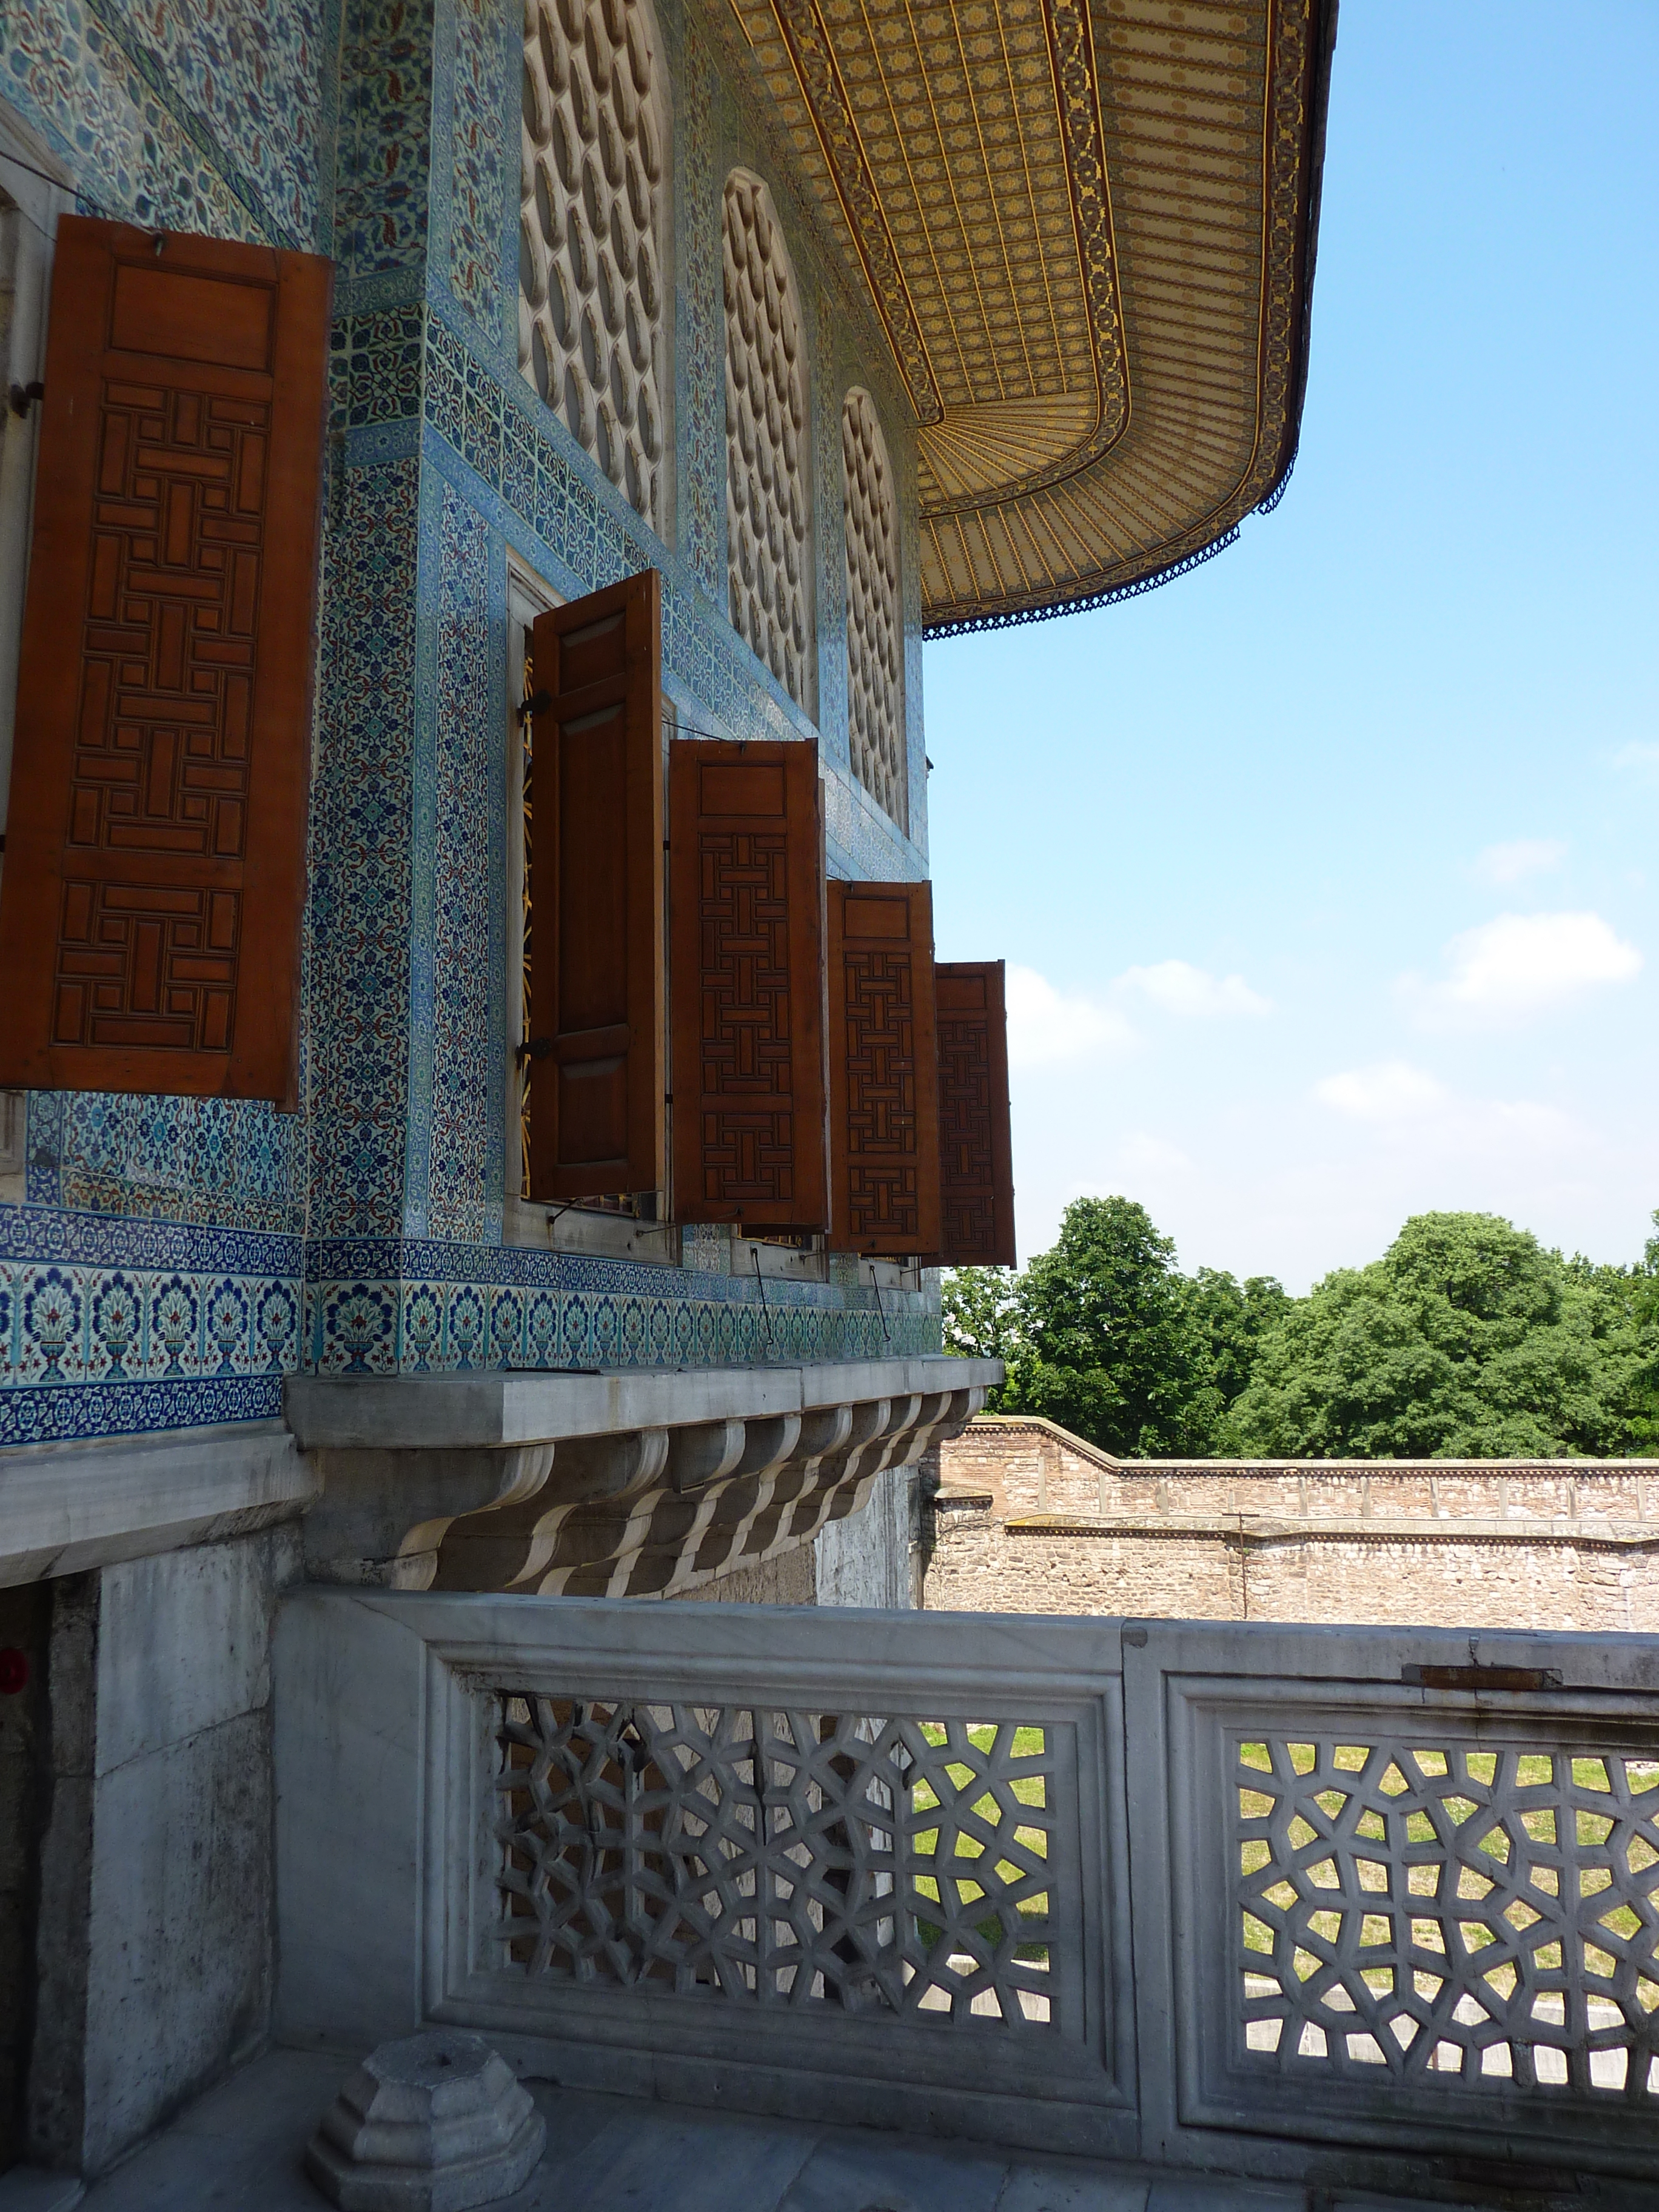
x: 1046, y: 1026
x: 1141, y: 1153
x: 1641, y: 759
x: 1521, y: 964
x: 1522, y: 856
x: 1411, y: 1109
x: 1389, y: 1091
x: 1179, y: 988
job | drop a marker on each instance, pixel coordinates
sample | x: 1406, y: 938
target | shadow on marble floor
x: 240, y: 2146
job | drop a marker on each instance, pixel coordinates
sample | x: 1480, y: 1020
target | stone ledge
x: 1336, y: 1529
x: 512, y: 1406
x: 66, y: 1508
x: 632, y: 1482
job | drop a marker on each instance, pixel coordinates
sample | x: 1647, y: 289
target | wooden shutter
x: 884, y: 1095
x: 155, y: 871
x: 595, y: 980
x: 745, y: 892
x: 976, y: 1172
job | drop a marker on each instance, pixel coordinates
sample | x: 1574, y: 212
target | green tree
x: 979, y: 1318
x: 1232, y: 1318
x: 1640, y: 1288
x: 1108, y: 1346
x: 1466, y: 1339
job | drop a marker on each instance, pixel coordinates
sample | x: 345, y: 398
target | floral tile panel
x: 108, y: 1326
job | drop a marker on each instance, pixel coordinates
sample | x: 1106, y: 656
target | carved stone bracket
x: 646, y: 1486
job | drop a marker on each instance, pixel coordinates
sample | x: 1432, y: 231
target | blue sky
x: 1327, y: 874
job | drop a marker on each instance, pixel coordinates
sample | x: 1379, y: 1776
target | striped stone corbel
x: 383, y: 1515
x: 641, y: 1484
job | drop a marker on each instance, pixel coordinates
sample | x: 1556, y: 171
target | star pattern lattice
x: 782, y: 1857
x: 1459, y: 1914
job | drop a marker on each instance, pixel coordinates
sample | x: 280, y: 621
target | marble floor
x: 240, y: 2146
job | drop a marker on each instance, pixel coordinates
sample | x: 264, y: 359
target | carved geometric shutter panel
x: 746, y: 953
x: 155, y: 874
x: 595, y: 985
x: 884, y: 1097
x: 976, y: 1172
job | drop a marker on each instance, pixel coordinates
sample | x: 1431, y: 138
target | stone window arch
x: 875, y: 636
x: 768, y: 445
x: 591, y: 294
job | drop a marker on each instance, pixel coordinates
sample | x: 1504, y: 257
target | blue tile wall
x: 417, y: 1307
x: 385, y: 136
x: 176, y: 1256
x: 211, y: 115
x: 232, y: 1161
x: 108, y: 1326
x: 479, y: 147
x: 467, y: 993
x: 362, y: 804
x: 375, y: 367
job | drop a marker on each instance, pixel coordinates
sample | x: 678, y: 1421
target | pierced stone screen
x: 1455, y: 1914
x: 589, y: 280
x: 800, y: 1859
x: 766, y: 440
x: 875, y: 689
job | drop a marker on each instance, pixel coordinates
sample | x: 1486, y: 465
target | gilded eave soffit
x: 1087, y: 231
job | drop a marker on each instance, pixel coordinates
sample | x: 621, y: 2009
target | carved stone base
x: 436, y: 2123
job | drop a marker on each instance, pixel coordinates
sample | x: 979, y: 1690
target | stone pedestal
x: 436, y: 2123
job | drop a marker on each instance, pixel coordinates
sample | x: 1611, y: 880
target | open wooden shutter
x: 155, y: 872
x: 976, y: 1171
x: 595, y: 978
x: 883, y: 1097
x: 745, y: 895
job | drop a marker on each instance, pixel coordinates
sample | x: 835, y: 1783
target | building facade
x: 849, y: 332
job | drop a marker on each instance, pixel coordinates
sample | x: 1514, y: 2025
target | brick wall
x: 1029, y: 1519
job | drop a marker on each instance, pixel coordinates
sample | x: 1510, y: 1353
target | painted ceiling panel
x: 1088, y: 231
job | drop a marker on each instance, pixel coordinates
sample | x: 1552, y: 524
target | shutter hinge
x: 534, y: 1049
x: 537, y: 703
x: 23, y: 395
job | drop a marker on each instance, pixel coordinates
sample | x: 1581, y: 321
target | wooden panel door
x: 884, y: 1092
x: 595, y: 978
x: 155, y: 873
x: 976, y: 1171
x: 745, y: 893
